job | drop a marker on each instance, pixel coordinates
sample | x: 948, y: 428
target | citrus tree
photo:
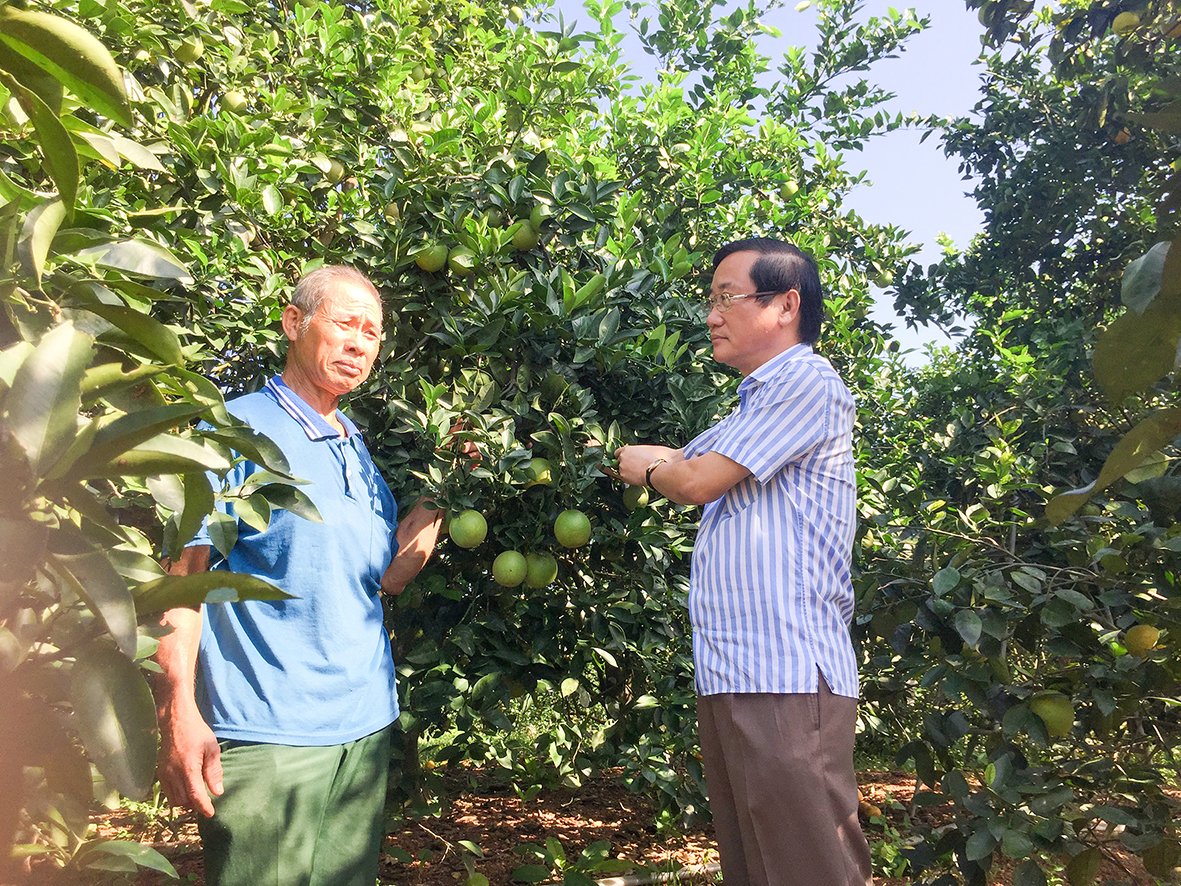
x: 102, y: 474
x: 537, y: 220
x: 1030, y: 651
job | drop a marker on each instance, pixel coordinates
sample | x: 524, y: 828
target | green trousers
x: 298, y: 816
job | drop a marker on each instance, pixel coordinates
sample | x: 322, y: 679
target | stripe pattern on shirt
x: 771, y: 596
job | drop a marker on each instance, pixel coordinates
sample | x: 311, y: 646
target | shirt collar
x: 305, y: 416
x: 769, y: 369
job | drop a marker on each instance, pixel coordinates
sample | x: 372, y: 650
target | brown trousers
x: 779, y: 769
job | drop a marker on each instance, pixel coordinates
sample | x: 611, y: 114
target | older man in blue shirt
x: 276, y: 715
x: 770, y: 595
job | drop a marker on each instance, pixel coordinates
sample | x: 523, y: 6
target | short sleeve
x: 780, y: 423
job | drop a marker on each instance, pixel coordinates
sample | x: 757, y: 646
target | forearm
x: 177, y: 653
x: 417, y: 535
x: 693, y: 481
x: 684, y: 483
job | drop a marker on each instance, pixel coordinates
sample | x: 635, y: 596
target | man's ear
x: 291, y: 320
x: 789, y: 311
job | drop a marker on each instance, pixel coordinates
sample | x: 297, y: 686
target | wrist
x: 652, y: 467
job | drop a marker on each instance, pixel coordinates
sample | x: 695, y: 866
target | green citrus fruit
x: 461, y: 261
x: 335, y: 171
x: 431, y: 257
x: 392, y: 212
x: 234, y: 100
x: 1055, y: 710
x: 1141, y: 639
x: 789, y: 189
x: 541, y: 570
x: 509, y: 568
x: 516, y: 15
x: 540, y: 472
x: 635, y: 497
x: 190, y: 50
x: 538, y: 216
x: 524, y: 235
x: 553, y: 385
x: 468, y: 529
x: 572, y: 528
x: 1125, y: 22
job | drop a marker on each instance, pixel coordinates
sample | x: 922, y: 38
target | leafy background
x: 163, y: 193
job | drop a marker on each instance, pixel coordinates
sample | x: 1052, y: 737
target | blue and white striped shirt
x: 770, y: 594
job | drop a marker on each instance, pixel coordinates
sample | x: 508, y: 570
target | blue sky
x: 913, y: 185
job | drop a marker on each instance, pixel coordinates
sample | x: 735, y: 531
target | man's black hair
x: 780, y: 267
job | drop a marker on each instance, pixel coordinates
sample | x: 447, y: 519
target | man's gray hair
x: 312, y: 288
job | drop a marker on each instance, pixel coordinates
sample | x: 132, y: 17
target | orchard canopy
x: 539, y: 219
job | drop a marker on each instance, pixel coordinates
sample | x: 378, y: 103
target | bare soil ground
x: 428, y: 851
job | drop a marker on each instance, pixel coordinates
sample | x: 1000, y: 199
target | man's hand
x: 634, y: 461
x: 465, y: 447
x: 418, y: 533
x: 190, y: 762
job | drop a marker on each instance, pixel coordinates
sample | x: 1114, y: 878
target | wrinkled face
x: 336, y: 351
x: 751, y: 330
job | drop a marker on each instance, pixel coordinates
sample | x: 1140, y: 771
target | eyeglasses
x: 723, y: 301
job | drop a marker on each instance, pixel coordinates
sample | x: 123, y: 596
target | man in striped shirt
x: 770, y: 595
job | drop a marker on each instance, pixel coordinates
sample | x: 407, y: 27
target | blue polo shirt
x: 317, y: 669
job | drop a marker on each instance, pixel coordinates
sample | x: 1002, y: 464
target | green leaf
x: 255, y: 446
x: 1142, y: 278
x: 136, y: 154
x: 1028, y: 873
x: 129, y: 431
x: 1083, y: 868
x: 162, y: 454
x: 1133, y: 450
x: 272, y: 200
x: 148, y: 331
x: 61, y: 159
x: 606, y: 656
x: 1137, y: 350
x: 110, y: 377
x: 290, y: 498
x: 569, y: 687
x: 969, y: 626
x: 115, y: 717
x: 47, y: 87
x: 945, y: 580
x: 1016, y: 844
x: 71, y: 55
x: 215, y: 586
x: 199, y: 389
x: 254, y: 511
x: 140, y: 257
x: 41, y: 226
x: 42, y: 406
x: 530, y: 873
x: 223, y: 532
x: 980, y: 845
x: 198, y: 504
x: 93, y: 578
x: 140, y: 854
